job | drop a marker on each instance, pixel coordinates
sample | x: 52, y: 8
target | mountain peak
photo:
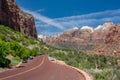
x: 71, y: 30
x: 75, y: 28
x: 104, y: 27
x: 87, y: 28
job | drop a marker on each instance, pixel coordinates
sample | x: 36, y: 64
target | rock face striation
x: 111, y: 44
x: 11, y: 15
x: 104, y: 39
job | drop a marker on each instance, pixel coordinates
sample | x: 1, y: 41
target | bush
x: 15, y: 61
x: 4, y: 47
x: 4, y: 62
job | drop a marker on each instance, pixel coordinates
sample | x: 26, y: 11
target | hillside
x: 103, y: 39
x: 111, y: 42
x: 16, y: 44
x: 94, y: 50
x: 20, y: 46
x: 12, y: 16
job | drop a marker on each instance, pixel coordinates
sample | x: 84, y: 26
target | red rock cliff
x: 11, y: 15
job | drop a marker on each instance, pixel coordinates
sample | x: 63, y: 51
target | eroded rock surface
x: 11, y: 15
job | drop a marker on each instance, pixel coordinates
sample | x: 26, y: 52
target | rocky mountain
x: 102, y: 39
x: 11, y: 15
x: 111, y: 44
x: 88, y: 28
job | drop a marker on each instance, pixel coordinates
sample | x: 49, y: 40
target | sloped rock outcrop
x: 105, y: 39
x: 111, y: 43
x: 86, y: 37
x: 11, y: 15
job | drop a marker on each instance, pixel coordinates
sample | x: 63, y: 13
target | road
x: 41, y: 68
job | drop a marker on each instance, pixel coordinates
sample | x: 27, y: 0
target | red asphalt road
x: 40, y: 68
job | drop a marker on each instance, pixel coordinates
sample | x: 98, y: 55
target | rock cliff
x: 111, y: 44
x: 86, y: 37
x: 105, y: 39
x: 11, y: 15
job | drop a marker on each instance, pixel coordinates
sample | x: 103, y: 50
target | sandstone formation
x: 105, y: 39
x: 111, y: 44
x: 11, y: 15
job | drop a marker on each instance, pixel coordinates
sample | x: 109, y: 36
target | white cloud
x: 91, y: 19
x: 64, y: 23
x: 40, y: 10
x: 102, y: 14
x: 44, y: 19
x: 91, y: 22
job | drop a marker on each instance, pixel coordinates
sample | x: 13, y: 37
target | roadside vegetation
x: 16, y: 44
x: 99, y: 66
x: 20, y: 46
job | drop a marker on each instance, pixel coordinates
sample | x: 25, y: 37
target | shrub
x: 4, y: 62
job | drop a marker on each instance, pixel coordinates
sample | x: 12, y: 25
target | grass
x: 74, y: 58
x: 16, y: 44
x: 106, y: 65
x: 15, y: 61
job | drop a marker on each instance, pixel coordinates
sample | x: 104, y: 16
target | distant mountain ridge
x: 12, y: 16
x: 89, y: 38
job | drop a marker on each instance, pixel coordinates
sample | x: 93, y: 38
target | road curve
x: 40, y: 68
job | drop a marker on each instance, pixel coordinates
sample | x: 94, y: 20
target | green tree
x: 3, y: 48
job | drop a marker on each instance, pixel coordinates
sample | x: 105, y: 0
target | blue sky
x: 56, y: 16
